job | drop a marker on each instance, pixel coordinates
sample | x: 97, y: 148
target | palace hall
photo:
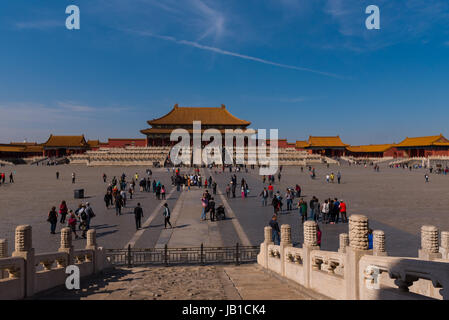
x: 182, y: 118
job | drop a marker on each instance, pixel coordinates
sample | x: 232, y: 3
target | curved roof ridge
x: 207, y: 115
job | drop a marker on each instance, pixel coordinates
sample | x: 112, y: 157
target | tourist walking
x: 214, y: 187
x: 90, y: 214
x: 72, y: 223
x: 298, y: 190
x: 211, y: 209
x: 270, y: 190
x: 166, y: 214
x: 289, y: 199
x: 118, y: 205
x: 83, y: 222
x: 104, y: 177
x: 107, y: 199
x: 264, y: 195
x: 73, y: 177
x: 57, y: 175
x: 163, y: 192
x: 325, y: 211
x: 53, y: 219
x: 204, y: 203
x: 138, y: 214
x: 275, y: 231
x: 11, y: 178
x: 123, y: 195
x: 336, y: 209
x: 302, y: 205
x: 344, y: 218
x: 63, y: 211
x: 338, y: 177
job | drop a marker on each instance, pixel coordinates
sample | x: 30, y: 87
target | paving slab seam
x: 230, y: 213
x: 147, y: 223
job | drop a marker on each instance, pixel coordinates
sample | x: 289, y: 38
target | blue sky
x: 307, y: 67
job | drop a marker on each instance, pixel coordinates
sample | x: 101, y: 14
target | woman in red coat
x: 63, y: 211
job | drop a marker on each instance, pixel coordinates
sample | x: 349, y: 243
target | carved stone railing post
x: 310, y: 244
x: 358, y: 247
x: 444, y: 247
x: 262, y: 257
x: 3, y: 254
x: 24, y: 249
x: 92, y: 245
x: 91, y: 239
x: 286, y: 241
x: 379, y: 243
x: 344, y: 242
x: 429, y: 243
x: 66, y: 244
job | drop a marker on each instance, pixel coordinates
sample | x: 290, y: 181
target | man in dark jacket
x: 275, y: 231
x: 138, y: 214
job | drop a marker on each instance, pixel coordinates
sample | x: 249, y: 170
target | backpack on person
x: 83, y: 215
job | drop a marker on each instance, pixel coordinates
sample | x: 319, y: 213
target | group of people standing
x: 81, y: 217
x: 331, y: 211
x: 3, y: 178
x: 330, y: 178
x: 231, y: 187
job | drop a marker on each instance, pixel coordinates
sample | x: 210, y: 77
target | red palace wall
x: 121, y: 143
x: 395, y: 153
x: 437, y: 153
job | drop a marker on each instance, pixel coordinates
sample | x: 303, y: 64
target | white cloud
x: 39, y: 25
x: 233, y: 54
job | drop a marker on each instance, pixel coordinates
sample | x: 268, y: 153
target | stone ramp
x: 244, y: 282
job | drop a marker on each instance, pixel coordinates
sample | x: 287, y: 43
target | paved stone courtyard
x: 396, y: 201
x: 245, y: 282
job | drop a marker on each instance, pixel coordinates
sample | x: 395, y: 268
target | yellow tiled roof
x: 370, y: 148
x: 326, y: 142
x: 93, y: 143
x: 21, y: 147
x: 66, y: 141
x: 301, y: 144
x: 207, y: 116
x: 423, y: 141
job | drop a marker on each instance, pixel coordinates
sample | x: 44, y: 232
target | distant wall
x: 122, y: 143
